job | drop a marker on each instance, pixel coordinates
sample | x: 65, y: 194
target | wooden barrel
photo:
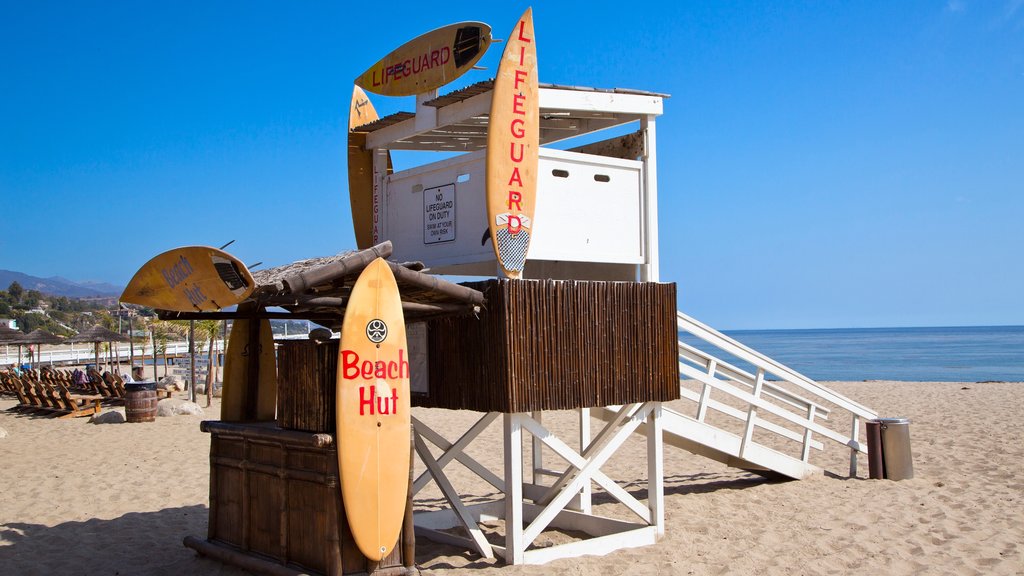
x: 140, y: 402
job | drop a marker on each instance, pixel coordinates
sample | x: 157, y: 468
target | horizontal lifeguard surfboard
x: 361, y: 178
x: 428, y: 61
x: 513, y: 138
x: 373, y: 412
x: 189, y: 279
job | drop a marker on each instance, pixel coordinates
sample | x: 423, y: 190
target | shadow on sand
x: 145, y: 543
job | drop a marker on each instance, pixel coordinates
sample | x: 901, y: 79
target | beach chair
x: 77, y: 405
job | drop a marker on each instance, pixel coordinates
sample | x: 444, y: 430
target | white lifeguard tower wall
x: 596, y: 215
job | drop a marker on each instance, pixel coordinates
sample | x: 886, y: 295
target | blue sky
x: 822, y: 164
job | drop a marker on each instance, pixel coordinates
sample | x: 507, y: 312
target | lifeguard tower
x: 590, y: 294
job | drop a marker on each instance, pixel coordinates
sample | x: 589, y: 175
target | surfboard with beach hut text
x: 189, y: 279
x: 361, y: 177
x: 513, y: 139
x: 373, y: 412
x: 428, y: 61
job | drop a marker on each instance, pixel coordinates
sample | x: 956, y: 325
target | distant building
x: 9, y: 322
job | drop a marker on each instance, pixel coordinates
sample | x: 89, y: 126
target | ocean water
x: 956, y: 354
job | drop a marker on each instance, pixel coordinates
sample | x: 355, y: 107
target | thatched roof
x: 40, y: 336
x: 96, y: 334
x: 9, y: 335
x: 320, y: 287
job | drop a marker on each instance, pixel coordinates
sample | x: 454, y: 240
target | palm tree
x: 162, y: 332
x: 209, y: 330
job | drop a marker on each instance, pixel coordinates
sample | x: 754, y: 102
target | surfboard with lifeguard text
x: 373, y: 412
x: 362, y: 181
x: 189, y: 279
x: 513, y: 139
x: 428, y: 61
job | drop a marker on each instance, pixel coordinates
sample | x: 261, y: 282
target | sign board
x: 439, y: 214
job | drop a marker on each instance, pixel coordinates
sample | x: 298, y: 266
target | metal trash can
x: 896, y: 456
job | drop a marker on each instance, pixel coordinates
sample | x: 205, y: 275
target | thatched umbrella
x: 9, y: 335
x: 97, y: 334
x: 40, y: 337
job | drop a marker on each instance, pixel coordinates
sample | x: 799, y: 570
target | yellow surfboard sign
x: 362, y: 180
x: 428, y: 61
x: 234, y: 396
x: 513, y: 140
x: 373, y: 412
x: 189, y: 279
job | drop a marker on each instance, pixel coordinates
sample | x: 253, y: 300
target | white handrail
x: 742, y: 352
x: 714, y: 374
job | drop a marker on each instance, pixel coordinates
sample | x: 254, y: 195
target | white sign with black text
x: 439, y: 214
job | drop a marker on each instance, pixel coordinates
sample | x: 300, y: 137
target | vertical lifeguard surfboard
x: 360, y: 170
x: 513, y: 138
x: 234, y: 396
x: 373, y: 412
x: 428, y: 61
x: 190, y: 279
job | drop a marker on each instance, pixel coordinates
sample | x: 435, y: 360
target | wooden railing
x: 799, y: 405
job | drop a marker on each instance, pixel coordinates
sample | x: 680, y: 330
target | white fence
x: 76, y: 354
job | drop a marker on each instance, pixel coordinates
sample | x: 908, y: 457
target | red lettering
x: 522, y: 131
x: 383, y: 408
x: 352, y: 367
x: 364, y: 401
x: 403, y: 364
x: 515, y: 198
x: 446, y: 55
x: 517, y: 102
x: 394, y: 400
x: 515, y: 177
x: 406, y: 69
x: 522, y: 55
x: 520, y: 77
x: 349, y: 359
x: 522, y: 28
x: 512, y: 152
x: 515, y: 225
x: 435, y: 56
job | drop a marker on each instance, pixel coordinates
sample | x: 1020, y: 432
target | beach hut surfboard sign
x: 373, y: 412
x: 236, y: 373
x: 428, y: 61
x: 190, y: 279
x: 362, y: 180
x: 513, y: 138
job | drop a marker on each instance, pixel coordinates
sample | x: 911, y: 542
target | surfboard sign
x: 373, y: 412
x: 513, y: 140
x: 363, y: 195
x: 428, y: 61
x: 234, y: 396
x: 190, y: 279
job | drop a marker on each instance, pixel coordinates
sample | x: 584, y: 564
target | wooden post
x: 192, y: 359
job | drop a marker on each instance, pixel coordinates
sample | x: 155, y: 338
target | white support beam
x: 656, y: 469
x: 456, y: 451
x: 515, y: 544
x: 452, y: 497
x: 650, y: 271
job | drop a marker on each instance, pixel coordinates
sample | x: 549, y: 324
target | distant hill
x: 57, y: 286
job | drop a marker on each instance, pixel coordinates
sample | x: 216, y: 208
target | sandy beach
x: 79, y: 498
